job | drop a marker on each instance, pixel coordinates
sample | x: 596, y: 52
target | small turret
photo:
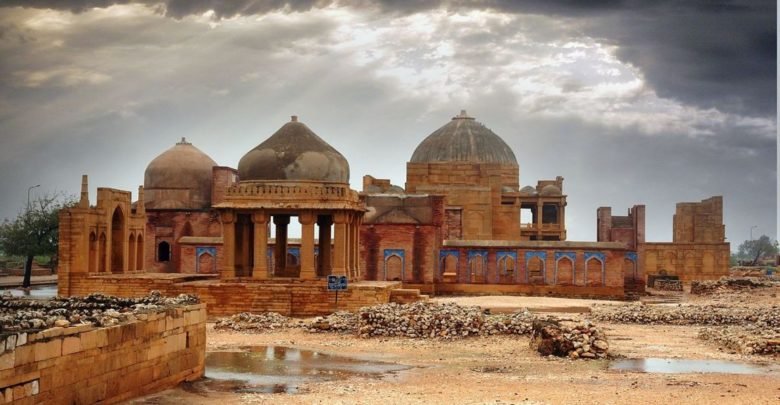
x: 84, y: 200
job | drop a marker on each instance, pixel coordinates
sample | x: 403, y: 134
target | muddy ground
x: 504, y: 370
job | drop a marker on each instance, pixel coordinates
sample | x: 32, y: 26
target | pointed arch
x: 102, y: 253
x: 118, y: 240
x: 594, y: 272
x: 139, y: 252
x: 92, y: 257
x: 564, y: 271
x: 131, y: 252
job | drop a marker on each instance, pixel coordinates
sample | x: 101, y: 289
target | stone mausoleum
x: 462, y: 224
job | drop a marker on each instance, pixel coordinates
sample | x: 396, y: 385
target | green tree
x: 34, y: 232
x: 754, y: 250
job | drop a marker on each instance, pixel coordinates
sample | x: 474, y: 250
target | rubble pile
x: 728, y: 285
x: 96, y: 309
x: 668, y: 285
x: 342, y: 322
x: 247, y: 322
x: 421, y: 320
x: 745, y: 339
x: 518, y: 323
x: 583, y: 340
x: 707, y: 315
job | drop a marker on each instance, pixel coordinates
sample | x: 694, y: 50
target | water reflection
x: 676, y: 366
x: 36, y: 291
x: 277, y: 369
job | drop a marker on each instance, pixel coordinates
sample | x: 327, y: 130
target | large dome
x: 180, y: 178
x: 463, y: 139
x: 294, y: 152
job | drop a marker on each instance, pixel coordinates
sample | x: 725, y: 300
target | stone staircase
x: 406, y: 295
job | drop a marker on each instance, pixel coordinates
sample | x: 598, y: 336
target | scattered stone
x: 246, y: 322
x: 707, y: 315
x: 748, y: 339
x: 729, y: 284
x: 668, y: 285
x: 342, y: 322
x: 19, y: 314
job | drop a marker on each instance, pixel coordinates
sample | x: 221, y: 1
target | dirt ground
x: 504, y: 370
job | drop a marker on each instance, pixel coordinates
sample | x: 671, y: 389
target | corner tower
x: 478, y: 174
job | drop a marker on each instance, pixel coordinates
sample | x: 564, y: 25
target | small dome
x: 294, y: 152
x: 550, y: 190
x: 179, y: 178
x: 463, y: 139
x: 528, y: 190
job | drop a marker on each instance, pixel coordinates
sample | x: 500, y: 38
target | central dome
x: 294, y: 152
x: 463, y: 139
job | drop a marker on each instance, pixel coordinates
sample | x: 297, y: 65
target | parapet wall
x: 84, y: 364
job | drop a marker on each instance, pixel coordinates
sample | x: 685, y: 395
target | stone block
x: 7, y: 360
x: 24, y: 355
x: 21, y: 339
x: 71, y: 344
x: 45, y: 350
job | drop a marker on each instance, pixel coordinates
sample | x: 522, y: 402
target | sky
x: 632, y: 102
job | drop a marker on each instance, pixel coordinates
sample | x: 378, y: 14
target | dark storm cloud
x: 719, y: 54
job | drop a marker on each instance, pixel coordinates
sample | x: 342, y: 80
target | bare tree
x: 34, y: 232
x: 754, y: 250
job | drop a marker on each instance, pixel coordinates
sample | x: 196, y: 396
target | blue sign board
x: 337, y: 283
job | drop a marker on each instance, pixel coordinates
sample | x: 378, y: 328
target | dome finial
x: 183, y: 141
x: 294, y: 118
x: 462, y: 116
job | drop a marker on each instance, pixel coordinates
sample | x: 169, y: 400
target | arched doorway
x: 163, y: 252
x: 117, y: 241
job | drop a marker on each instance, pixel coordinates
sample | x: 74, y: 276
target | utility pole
x: 28, y: 194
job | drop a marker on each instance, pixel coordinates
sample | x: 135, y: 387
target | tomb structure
x: 461, y: 225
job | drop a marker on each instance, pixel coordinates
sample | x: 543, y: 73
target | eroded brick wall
x: 84, y: 364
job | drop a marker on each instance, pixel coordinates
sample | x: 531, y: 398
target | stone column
x: 306, y: 219
x: 324, y: 222
x: 228, y: 244
x: 340, y: 244
x: 539, y: 213
x: 260, y: 268
x: 280, y: 249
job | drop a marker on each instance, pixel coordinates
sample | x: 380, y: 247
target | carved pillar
x: 260, y: 269
x: 324, y: 262
x: 280, y: 249
x: 228, y: 244
x: 306, y: 219
x: 340, y: 244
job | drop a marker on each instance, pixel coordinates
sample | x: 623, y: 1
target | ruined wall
x: 628, y: 229
x: 688, y: 261
x: 84, y: 364
x: 105, y: 238
x: 700, y: 222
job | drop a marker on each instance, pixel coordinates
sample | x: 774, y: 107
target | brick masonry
x: 84, y: 364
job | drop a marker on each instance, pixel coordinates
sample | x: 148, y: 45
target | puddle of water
x: 277, y: 369
x: 677, y: 366
x: 36, y: 291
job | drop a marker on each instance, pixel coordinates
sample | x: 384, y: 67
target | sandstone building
x: 460, y: 224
